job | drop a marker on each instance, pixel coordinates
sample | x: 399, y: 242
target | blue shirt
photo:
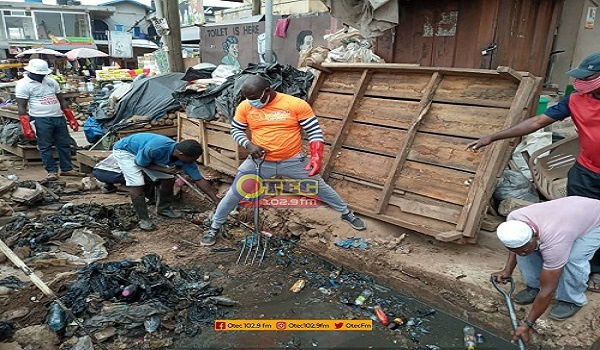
x: 560, y: 110
x: 153, y: 148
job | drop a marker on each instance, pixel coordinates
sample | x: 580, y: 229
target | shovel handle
x: 511, y: 289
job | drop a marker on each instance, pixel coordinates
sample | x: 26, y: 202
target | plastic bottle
x: 366, y: 294
x: 381, y: 315
x: 56, y: 317
x: 130, y: 292
x: 469, y: 337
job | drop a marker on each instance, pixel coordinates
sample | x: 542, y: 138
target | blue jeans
x: 52, y: 131
x: 573, y: 280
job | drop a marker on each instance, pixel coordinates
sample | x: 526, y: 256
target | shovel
x: 509, y: 304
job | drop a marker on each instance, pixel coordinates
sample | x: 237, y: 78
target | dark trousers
x: 52, y: 131
x: 585, y: 183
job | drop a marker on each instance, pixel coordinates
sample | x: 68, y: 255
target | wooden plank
x: 463, y: 121
x: 331, y: 105
x: 205, y: 155
x: 170, y: 131
x: 407, y: 140
x: 342, y: 82
x: 220, y: 139
x: 480, y: 91
x: 482, y: 184
x: 365, y: 166
x: 435, y: 182
x: 416, y: 207
x: 370, y: 138
x: 444, y: 151
x: 398, y: 84
x: 363, y: 198
x: 338, y: 141
x: 316, y: 87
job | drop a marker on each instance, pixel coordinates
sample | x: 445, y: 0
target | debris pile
x: 107, y: 221
x: 133, y: 299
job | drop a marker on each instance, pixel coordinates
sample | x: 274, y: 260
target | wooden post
x: 477, y: 192
x: 342, y: 133
x: 173, y: 40
x: 424, y: 106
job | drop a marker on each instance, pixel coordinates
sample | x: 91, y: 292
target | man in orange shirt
x: 276, y: 121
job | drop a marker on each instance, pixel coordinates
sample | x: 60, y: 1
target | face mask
x: 36, y: 77
x: 587, y: 86
x: 259, y: 103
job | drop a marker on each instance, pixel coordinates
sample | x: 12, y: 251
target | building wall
x: 246, y: 36
x: 127, y: 14
x: 588, y: 40
x: 566, y: 39
x: 280, y: 7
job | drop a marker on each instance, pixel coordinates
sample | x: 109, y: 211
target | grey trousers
x: 291, y: 168
x: 573, y: 281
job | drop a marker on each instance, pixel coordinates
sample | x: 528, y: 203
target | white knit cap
x: 514, y: 233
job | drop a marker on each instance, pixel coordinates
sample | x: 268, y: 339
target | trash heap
x: 102, y: 220
x: 140, y: 299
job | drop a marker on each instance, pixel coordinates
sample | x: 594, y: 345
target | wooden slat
x: 480, y: 91
x: 339, y: 139
x: 433, y: 211
x: 399, y: 85
x: 331, y: 105
x: 366, y: 137
x: 221, y: 139
x: 406, y: 142
x: 318, y: 84
x: 341, y: 82
x: 435, y: 182
x: 205, y: 155
x: 464, y: 121
x: 481, y: 187
x: 365, y: 166
x: 363, y: 198
x: 445, y: 151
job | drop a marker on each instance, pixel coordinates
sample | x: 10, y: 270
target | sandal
x: 594, y: 283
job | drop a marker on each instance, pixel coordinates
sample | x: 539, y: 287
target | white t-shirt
x: 41, y: 97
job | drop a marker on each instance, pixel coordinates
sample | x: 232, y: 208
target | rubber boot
x: 140, y: 208
x: 163, y: 205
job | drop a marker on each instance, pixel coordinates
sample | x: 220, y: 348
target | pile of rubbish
x: 135, y: 299
x: 217, y: 101
x: 89, y: 220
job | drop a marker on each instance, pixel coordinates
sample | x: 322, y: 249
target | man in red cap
x: 583, y: 107
x: 39, y: 100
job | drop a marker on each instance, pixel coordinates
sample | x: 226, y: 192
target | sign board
x: 120, y: 45
x: 161, y: 26
x: 71, y: 41
x: 191, y: 12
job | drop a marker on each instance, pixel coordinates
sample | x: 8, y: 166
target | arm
x: 509, y: 267
x: 525, y: 127
x: 238, y: 132
x: 22, y: 105
x: 207, y: 188
x: 24, y: 119
x: 317, y: 144
x: 68, y: 112
x: 548, y: 284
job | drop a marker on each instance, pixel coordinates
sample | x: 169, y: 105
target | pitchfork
x: 257, y: 238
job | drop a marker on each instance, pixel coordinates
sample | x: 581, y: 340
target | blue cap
x: 589, y: 66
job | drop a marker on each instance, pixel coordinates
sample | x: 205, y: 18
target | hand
x: 482, y: 142
x: 26, y: 126
x: 173, y: 170
x: 521, y: 332
x: 255, y: 151
x: 500, y: 276
x: 316, y: 157
x: 71, y: 119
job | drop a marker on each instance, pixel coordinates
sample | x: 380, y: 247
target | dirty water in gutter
x: 329, y: 293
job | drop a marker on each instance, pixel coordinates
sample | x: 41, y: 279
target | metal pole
x: 269, y: 31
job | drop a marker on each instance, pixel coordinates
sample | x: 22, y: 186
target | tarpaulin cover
x: 151, y: 97
x: 225, y: 98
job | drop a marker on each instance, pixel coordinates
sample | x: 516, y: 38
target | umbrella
x: 40, y: 51
x: 83, y: 52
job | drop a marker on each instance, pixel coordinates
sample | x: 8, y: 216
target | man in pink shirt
x: 552, y: 242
